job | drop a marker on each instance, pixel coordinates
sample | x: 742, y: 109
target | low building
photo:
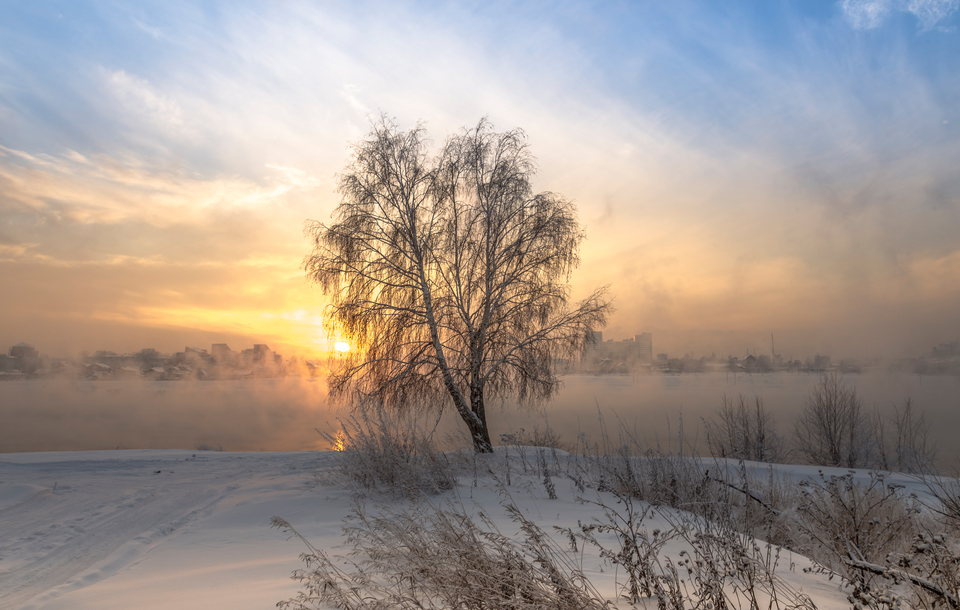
x: 946, y: 350
x: 24, y: 352
x: 23, y: 358
x: 193, y: 356
x: 222, y: 354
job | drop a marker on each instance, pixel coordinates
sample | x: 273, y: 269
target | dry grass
x: 429, y: 557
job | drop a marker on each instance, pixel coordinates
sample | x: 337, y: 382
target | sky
x: 741, y: 169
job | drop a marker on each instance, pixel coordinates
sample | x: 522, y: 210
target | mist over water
x: 247, y: 415
x: 284, y: 414
x: 656, y: 405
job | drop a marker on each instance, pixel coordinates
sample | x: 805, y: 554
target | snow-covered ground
x: 156, y: 529
x: 187, y: 529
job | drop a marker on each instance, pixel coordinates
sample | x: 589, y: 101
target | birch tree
x: 449, y: 275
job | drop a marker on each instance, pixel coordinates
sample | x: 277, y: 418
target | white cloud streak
x: 870, y: 14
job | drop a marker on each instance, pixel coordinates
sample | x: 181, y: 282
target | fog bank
x: 284, y: 414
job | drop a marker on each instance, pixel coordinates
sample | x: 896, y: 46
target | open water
x: 285, y: 414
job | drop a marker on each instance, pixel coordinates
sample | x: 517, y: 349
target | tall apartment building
x: 644, y: 347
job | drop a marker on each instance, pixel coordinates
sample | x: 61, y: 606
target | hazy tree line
x: 833, y: 429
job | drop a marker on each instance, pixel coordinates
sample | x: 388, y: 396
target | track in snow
x: 73, y: 519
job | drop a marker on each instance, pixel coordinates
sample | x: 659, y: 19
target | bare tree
x: 743, y: 432
x: 450, y: 275
x: 834, y: 429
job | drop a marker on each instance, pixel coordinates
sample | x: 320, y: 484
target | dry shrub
x: 758, y: 504
x: 879, y: 541
x: 922, y: 571
x: 932, y: 568
x: 869, y: 533
x: 834, y: 428
x: 390, y: 453
x: 845, y: 518
x: 744, y: 432
x: 429, y: 557
x: 904, y: 441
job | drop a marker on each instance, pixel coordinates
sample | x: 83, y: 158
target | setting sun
x: 340, y: 441
x: 341, y: 347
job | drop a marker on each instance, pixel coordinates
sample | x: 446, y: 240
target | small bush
x: 757, y: 504
x: 904, y: 441
x: 890, y: 553
x: 732, y: 519
x: 744, y: 432
x: 640, y: 549
x: 834, y: 428
x: 622, y: 465
x: 848, y: 519
x: 393, y: 454
x: 932, y: 567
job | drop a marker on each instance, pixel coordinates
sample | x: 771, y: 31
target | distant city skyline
x: 641, y: 346
x: 220, y: 362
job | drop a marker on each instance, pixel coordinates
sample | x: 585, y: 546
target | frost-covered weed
x: 945, y: 492
x: 720, y: 568
x: 430, y: 557
x: 889, y: 553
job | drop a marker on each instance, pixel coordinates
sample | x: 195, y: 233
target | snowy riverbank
x: 186, y: 529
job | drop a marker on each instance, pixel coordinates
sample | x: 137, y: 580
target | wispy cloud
x: 154, y: 32
x: 138, y: 96
x: 106, y: 189
x: 869, y: 14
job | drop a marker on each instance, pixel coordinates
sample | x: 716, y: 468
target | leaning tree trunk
x: 479, y: 432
